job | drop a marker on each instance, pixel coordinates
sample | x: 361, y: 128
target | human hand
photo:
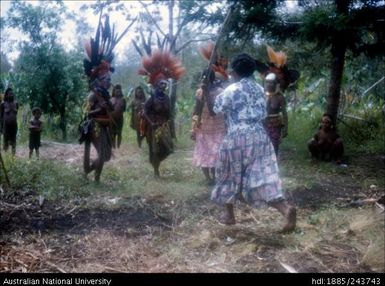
x: 193, y: 135
x: 199, y: 93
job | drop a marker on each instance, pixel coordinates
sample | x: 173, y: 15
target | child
x: 35, y: 127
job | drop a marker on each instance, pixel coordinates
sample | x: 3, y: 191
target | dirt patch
x: 342, y: 186
x: 326, y: 193
x: 23, y: 212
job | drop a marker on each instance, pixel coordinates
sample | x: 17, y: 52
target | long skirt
x: 206, y: 149
x: 247, y: 170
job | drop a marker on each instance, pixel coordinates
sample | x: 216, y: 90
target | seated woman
x: 326, y: 143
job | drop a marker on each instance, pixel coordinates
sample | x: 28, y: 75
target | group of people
x: 237, y: 130
x: 8, y: 124
x: 237, y: 124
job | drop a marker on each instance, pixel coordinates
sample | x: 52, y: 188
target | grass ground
x: 54, y: 220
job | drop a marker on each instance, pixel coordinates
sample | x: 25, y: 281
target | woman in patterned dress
x: 209, y: 134
x: 247, y: 168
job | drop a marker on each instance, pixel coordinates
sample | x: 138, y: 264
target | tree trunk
x: 173, y: 84
x: 338, y: 50
x: 337, y: 69
x: 63, y: 123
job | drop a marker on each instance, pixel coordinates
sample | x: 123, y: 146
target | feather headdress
x: 99, y: 50
x: 220, y: 63
x: 276, y: 58
x: 161, y: 65
x: 277, y: 65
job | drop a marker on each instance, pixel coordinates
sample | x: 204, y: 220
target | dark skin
x: 137, y: 106
x: 35, y: 126
x: 8, y: 118
x: 119, y: 106
x: 326, y: 143
x: 156, y: 113
x: 276, y: 103
x: 100, y: 111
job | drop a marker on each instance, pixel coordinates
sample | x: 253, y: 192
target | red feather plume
x: 161, y: 65
x: 220, y: 63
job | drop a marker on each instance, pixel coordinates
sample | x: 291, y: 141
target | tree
x: 5, y: 65
x: 47, y: 75
x: 337, y: 25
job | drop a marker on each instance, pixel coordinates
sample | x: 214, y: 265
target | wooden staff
x: 205, y: 79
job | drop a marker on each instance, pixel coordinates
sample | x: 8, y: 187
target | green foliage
x: 45, y: 75
x: 48, y: 178
x: 363, y: 130
x: 5, y: 65
x: 302, y: 126
x: 40, y: 23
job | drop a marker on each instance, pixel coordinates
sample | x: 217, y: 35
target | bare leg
x: 156, y: 165
x: 212, y: 175
x: 114, y: 141
x: 37, y: 154
x: 6, y: 145
x: 289, y: 213
x: 119, y: 139
x: 206, y: 173
x: 86, y: 159
x: 139, y: 139
x: 98, y: 170
x: 313, y: 149
x: 30, y: 153
x: 337, y: 151
x: 227, y: 216
x: 212, y: 172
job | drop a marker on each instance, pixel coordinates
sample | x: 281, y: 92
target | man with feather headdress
x: 277, y: 78
x: 97, y: 66
x: 159, y: 67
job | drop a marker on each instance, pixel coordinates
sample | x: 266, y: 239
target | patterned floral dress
x: 209, y: 136
x: 247, y: 168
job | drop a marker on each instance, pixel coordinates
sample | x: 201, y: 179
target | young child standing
x: 35, y: 127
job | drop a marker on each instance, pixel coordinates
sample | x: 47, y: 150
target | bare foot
x: 226, y: 219
x: 290, y: 220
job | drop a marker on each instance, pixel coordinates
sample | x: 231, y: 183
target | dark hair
x: 36, y: 109
x: 332, y: 126
x: 116, y: 87
x: 208, y: 73
x: 328, y: 115
x: 244, y: 65
x: 8, y: 90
